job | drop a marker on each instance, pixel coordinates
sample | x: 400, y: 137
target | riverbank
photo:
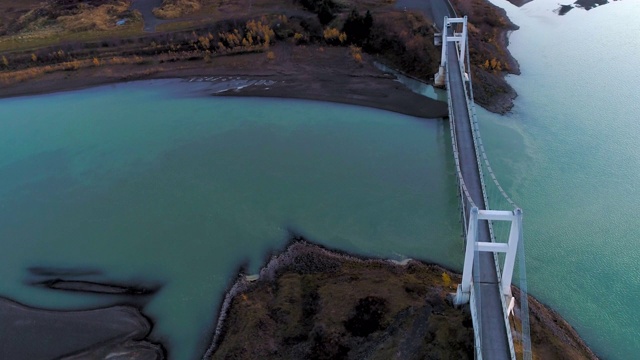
x: 323, y: 59
x: 303, y: 72
x: 307, y: 302
x: 310, y: 302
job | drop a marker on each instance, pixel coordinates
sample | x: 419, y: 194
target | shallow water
x: 152, y: 182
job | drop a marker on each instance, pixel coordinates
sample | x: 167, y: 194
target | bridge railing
x: 499, y: 197
x: 466, y: 204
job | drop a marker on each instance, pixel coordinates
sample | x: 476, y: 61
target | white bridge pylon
x: 459, y: 38
x: 510, y: 248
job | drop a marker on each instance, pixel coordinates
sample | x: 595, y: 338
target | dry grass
x: 8, y: 78
x: 12, y: 10
x: 310, y: 310
x: 172, y: 9
x: 50, y: 38
x: 101, y: 18
x: 35, y: 27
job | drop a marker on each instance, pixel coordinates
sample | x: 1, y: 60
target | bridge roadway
x: 495, y: 344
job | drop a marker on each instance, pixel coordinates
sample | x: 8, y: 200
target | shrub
x: 356, y: 53
x: 171, y: 9
x: 271, y: 56
x: 334, y: 36
x: 446, y: 279
x: 298, y: 38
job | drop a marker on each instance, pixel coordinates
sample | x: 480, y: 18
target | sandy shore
x: 30, y: 333
x: 314, y: 73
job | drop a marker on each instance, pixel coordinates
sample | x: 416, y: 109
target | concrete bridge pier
x: 449, y: 35
x: 509, y: 248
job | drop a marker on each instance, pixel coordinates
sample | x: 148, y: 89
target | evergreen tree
x: 325, y: 15
x: 358, y: 27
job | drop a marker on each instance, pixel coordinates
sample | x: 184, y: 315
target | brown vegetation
x: 312, y: 303
x: 403, y: 39
x: 100, y: 18
x: 172, y: 9
x: 319, y: 305
x: 59, y: 16
x: 8, y: 78
x: 85, y: 30
x: 356, y: 53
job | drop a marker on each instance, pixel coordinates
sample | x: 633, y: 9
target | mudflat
x: 30, y: 333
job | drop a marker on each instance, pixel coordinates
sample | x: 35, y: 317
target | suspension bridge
x: 492, y: 221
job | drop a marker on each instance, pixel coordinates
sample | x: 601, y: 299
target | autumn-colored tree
x: 73, y: 65
x: 271, y: 56
x: 333, y: 35
x: 356, y: 53
x: 495, y: 64
x: 261, y: 31
x: 34, y: 57
x: 204, y: 42
x: 446, y: 279
x: 5, y: 62
x: 96, y: 61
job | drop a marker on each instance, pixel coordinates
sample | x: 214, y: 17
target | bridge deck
x: 495, y: 345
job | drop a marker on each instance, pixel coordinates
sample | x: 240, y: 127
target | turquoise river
x: 153, y: 182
